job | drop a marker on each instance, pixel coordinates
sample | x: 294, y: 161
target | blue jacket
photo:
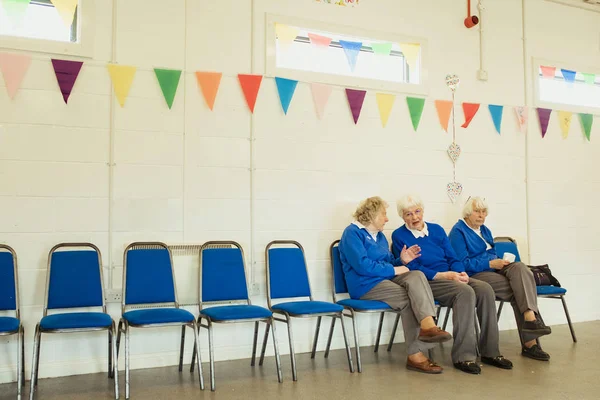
x: 366, y: 262
x: 470, y: 249
x: 437, y: 255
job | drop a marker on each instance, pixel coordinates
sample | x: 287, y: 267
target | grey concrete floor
x: 572, y: 373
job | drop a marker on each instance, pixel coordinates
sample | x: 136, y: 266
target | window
x: 316, y: 52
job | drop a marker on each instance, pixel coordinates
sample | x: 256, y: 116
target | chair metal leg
x: 37, y: 364
x: 253, y: 360
x: 196, y: 328
x: 348, y: 353
x: 20, y: 339
x: 34, y: 370
x: 331, y: 328
x: 211, y: 355
x: 22, y: 356
x: 499, y: 310
x: 193, y: 363
x: 127, y: 333
x: 110, y: 354
x: 115, y: 363
x: 564, y: 303
x: 448, y: 311
x: 356, y: 341
x: 316, y: 339
x: 119, y: 329
x: 378, y: 337
x: 181, y: 348
x: 292, y: 353
x: 264, y: 345
x: 393, y: 335
x: 437, y: 314
x: 276, y: 348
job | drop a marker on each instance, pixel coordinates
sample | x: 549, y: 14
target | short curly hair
x: 368, y: 209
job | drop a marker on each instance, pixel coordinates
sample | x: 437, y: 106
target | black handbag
x: 543, y: 275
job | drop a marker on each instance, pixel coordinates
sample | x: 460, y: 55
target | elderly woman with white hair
x: 451, y: 287
x: 372, y: 273
x: 512, y: 281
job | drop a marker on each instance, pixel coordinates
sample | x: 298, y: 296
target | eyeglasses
x: 417, y: 212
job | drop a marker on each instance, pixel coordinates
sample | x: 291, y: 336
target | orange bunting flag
x: 444, y: 109
x: 250, y: 85
x: 209, y: 84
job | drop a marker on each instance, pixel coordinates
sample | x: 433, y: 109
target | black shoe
x: 536, y: 327
x: 535, y: 352
x: 499, y: 362
x: 470, y: 367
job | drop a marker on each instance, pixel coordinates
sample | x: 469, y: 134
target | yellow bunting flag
x: 286, y: 34
x: 565, y: 122
x: 122, y: 77
x: 66, y: 10
x: 411, y: 53
x: 385, y: 103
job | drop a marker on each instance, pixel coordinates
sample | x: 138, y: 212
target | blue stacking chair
x: 505, y: 244
x: 352, y: 306
x: 287, y: 278
x: 223, y: 279
x: 9, y: 301
x: 149, y: 285
x: 74, y: 280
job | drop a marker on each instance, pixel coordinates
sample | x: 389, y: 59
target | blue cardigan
x: 437, y: 255
x: 366, y: 262
x: 470, y: 249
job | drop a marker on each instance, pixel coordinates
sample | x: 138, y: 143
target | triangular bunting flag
x: 14, y: 67
x: 321, y: 96
x: 286, y: 89
x: 544, y: 116
x: 590, y: 79
x: 411, y: 53
x: 586, y: 122
x: 355, y: 101
x: 66, y: 72
x: 15, y: 10
x: 209, y: 85
x: 444, y: 108
x: 568, y: 75
x: 548, y: 72
x: 250, y: 85
x: 168, y: 79
x: 496, y: 112
x: 318, y: 40
x: 470, y: 109
x: 383, y: 49
x: 565, y: 122
x: 351, y: 49
x: 522, y: 117
x: 415, y: 108
x: 385, y: 102
x: 122, y: 78
x: 286, y: 34
x: 66, y: 10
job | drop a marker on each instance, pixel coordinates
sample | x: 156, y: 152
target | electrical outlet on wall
x: 255, y: 288
x: 482, y: 75
x: 113, y: 295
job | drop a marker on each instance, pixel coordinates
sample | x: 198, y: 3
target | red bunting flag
x: 250, y: 85
x: 470, y: 109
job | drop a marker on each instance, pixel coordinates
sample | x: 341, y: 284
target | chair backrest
x: 286, y: 271
x: 339, y: 279
x: 505, y: 244
x: 148, y: 276
x: 9, y: 281
x: 74, y: 277
x: 222, y: 272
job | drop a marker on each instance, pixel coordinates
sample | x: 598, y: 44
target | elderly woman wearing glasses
x: 451, y: 287
x: 372, y: 273
x: 512, y: 281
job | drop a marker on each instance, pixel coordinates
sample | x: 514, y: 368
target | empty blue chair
x: 287, y: 278
x: 149, y: 285
x: 9, y: 301
x: 74, y: 280
x: 352, y: 306
x: 505, y: 244
x: 223, y: 279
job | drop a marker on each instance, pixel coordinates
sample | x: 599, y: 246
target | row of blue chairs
x: 74, y: 280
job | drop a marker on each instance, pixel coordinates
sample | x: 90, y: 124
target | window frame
x: 84, y: 47
x: 271, y: 69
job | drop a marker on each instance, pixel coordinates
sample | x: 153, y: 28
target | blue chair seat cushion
x: 307, y: 307
x: 549, y: 290
x: 236, y: 312
x: 79, y: 320
x: 364, y: 305
x: 9, y: 324
x: 158, y: 316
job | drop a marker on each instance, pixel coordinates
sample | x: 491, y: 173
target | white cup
x: 510, y: 257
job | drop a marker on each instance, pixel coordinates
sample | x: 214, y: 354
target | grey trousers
x: 514, y: 283
x: 410, y: 294
x: 465, y: 299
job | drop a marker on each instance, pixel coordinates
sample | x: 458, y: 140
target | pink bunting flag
x: 318, y: 40
x: 321, y: 95
x: 544, y: 116
x: 66, y: 72
x: 470, y: 109
x: 548, y: 72
x: 14, y: 67
x: 355, y: 101
x: 522, y: 117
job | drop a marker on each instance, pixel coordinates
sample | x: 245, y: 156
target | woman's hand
x: 407, y: 255
x: 498, y: 263
x: 452, y: 276
x: 400, y: 270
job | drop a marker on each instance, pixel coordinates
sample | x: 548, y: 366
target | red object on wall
x: 471, y: 20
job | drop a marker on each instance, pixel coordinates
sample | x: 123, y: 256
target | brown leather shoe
x: 426, y: 367
x: 434, y: 335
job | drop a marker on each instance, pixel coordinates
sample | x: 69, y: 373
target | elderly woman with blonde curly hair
x: 373, y: 273
x: 512, y: 281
